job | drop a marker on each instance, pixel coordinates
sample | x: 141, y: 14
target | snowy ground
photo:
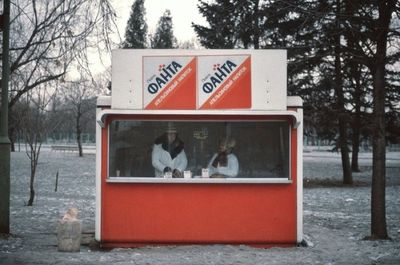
x: 336, y: 218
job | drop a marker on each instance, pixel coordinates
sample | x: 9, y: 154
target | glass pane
x: 260, y: 148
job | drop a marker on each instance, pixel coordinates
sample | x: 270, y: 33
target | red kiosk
x: 204, y: 95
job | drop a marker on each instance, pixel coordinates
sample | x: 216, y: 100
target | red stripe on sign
x: 235, y: 92
x: 180, y: 93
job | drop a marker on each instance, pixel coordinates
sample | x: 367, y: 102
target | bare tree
x: 36, y: 125
x: 80, y: 100
x: 340, y: 105
x: 373, y: 51
x: 378, y: 203
x: 52, y: 37
x: 193, y: 43
x: 48, y: 36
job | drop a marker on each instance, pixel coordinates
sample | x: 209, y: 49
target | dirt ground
x: 336, y: 218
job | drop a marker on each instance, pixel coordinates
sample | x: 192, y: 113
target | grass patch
x: 329, y: 183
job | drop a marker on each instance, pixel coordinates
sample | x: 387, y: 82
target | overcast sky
x: 183, y: 12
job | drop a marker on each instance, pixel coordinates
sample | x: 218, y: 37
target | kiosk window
x: 262, y: 148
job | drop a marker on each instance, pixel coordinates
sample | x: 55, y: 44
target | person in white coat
x: 169, y: 155
x: 224, y: 164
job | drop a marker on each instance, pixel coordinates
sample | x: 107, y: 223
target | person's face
x: 222, y: 147
x: 171, y: 137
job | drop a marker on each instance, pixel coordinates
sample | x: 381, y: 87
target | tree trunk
x: 79, y: 134
x: 12, y: 145
x: 344, y: 150
x: 31, y: 195
x: 355, y: 71
x: 378, y: 203
x: 256, y: 40
x: 33, y: 172
x: 356, y: 125
x: 355, y: 145
x: 340, y: 105
x: 11, y: 136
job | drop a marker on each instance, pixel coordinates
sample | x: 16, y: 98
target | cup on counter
x: 168, y: 175
x: 187, y: 174
x: 204, y: 173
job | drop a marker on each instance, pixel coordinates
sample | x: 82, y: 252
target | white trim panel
x: 300, y: 178
x: 104, y: 113
x: 200, y: 180
x: 98, y: 183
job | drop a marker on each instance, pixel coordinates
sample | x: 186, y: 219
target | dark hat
x: 171, y: 128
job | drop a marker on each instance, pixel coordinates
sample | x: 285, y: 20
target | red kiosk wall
x: 134, y: 214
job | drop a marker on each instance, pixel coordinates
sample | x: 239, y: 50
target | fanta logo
x: 160, y: 67
x: 215, y: 67
x: 220, y: 74
x: 165, y: 75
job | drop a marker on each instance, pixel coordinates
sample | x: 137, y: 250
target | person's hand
x: 220, y: 160
x: 167, y: 169
x: 177, y: 174
x: 216, y: 175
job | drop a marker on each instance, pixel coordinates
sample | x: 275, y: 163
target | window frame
x: 201, y: 118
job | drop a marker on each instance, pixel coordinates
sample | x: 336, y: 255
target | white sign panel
x: 169, y: 82
x: 199, y: 79
x: 224, y: 82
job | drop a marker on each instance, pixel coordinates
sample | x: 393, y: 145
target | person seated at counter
x: 168, y: 154
x: 224, y: 164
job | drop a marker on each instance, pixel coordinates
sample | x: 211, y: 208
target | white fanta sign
x: 172, y: 79
x: 224, y: 82
x: 169, y: 82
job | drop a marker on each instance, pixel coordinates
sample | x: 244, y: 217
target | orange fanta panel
x: 180, y: 92
x: 162, y: 213
x: 234, y: 92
